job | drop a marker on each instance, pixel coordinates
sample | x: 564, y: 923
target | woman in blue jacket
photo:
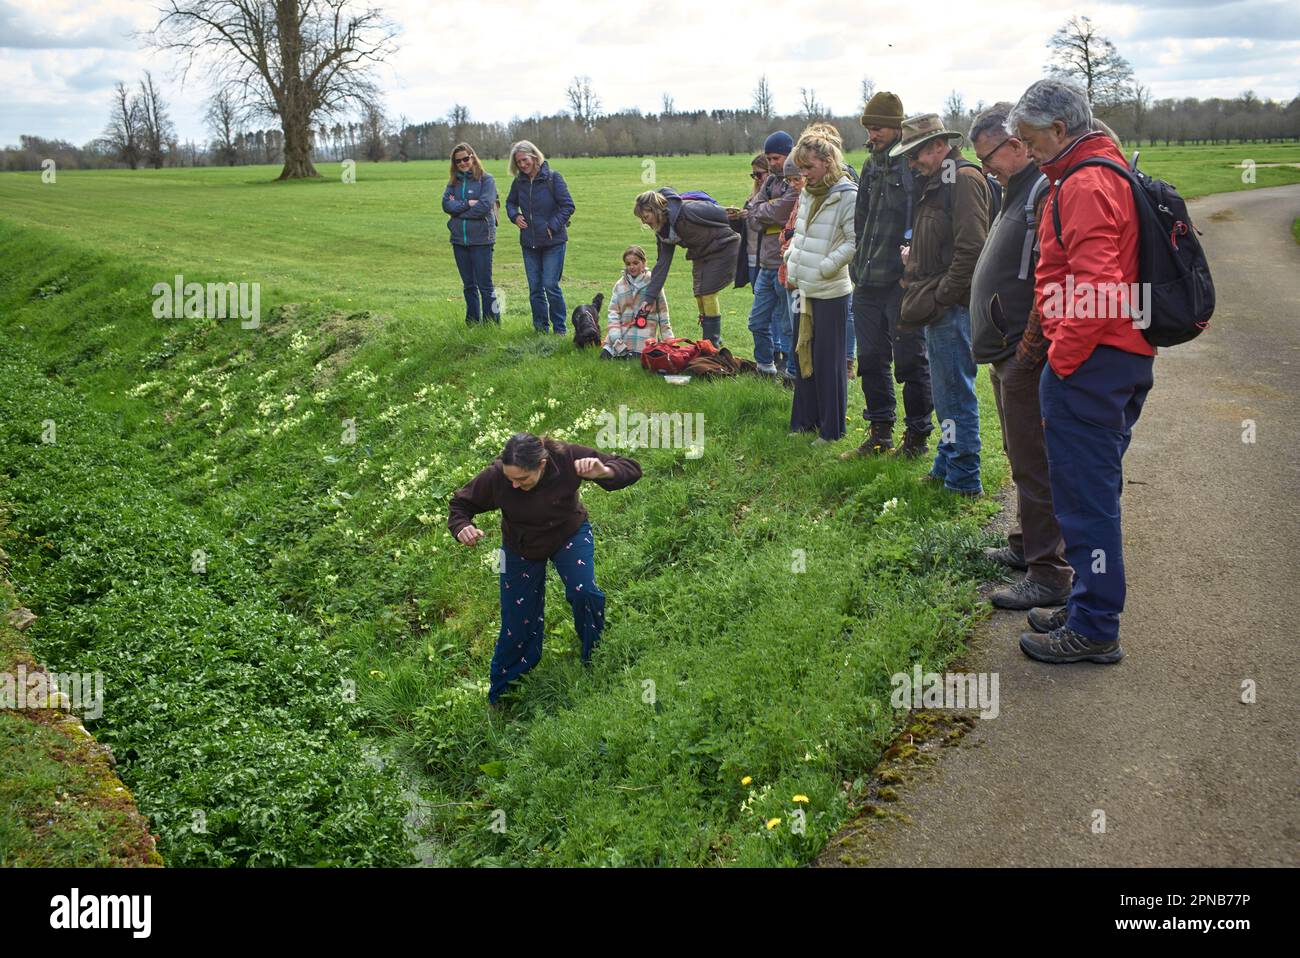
x: 470, y: 200
x: 540, y: 205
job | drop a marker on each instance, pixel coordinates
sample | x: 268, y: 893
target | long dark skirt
x: 820, y: 400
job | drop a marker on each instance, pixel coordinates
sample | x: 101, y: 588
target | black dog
x: 586, y: 323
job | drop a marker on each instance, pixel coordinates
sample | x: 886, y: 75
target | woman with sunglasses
x: 470, y: 200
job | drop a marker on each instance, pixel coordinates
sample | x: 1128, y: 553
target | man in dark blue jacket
x: 540, y: 205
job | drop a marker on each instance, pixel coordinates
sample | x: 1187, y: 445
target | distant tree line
x: 140, y: 131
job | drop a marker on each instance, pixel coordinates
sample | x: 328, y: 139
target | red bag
x: 668, y: 355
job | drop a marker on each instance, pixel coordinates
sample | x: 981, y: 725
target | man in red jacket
x: 1098, y: 364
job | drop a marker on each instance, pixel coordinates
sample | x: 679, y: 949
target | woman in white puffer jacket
x: 817, y: 263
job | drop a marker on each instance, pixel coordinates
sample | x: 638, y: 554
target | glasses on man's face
x: 984, y: 160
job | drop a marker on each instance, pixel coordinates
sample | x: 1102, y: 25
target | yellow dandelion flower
x: 772, y: 823
x: 800, y: 798
x: 746, y: 780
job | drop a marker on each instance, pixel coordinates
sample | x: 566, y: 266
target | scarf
x: 803, y: 347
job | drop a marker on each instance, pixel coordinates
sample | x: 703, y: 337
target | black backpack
x: 995, y: 190
x: 1170, y: 257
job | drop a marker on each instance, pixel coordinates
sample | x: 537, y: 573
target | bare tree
x: 374, y: 131
x: 668, y: 105
x: 810, y: 109
x: 122, y: 135
x: 458, y: 119
x: 1084, y: 55
x: 291, y: 59
x: 156, y: 128
x: 583, y: 102
x: 763, y: 98
x: 1141, y: 107
x: 868, y: 90
x: 954, y: 113
x: 223, y: 118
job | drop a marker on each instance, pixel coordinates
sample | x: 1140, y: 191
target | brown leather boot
x: 877, y: 443
x: 914, y: 444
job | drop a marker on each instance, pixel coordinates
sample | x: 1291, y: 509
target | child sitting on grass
x: 627, y: 333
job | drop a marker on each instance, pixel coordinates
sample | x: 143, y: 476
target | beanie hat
x: 791, y: 168
x: 779, y: 142
x: 883, y: 109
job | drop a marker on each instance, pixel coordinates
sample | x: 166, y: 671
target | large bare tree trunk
x: 297, y: 149
x: 295, y: 109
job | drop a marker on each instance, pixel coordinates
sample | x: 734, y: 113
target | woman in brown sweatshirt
x: 534, y: 482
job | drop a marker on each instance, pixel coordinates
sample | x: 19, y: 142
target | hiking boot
x: 767, y: 369
x: 1045, y: 620
x: 914, y: 444
x: 1028, y: 594
x: 1064, y: 645
x: 1008, y: 557
x: 779, y: 359
x: 877, y: 443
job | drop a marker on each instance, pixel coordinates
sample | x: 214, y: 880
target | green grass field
x: 337, y: 625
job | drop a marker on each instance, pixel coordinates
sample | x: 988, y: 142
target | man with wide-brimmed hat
x: 949, y: 227
x: 882, y: 223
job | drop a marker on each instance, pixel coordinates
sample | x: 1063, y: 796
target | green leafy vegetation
x: 727, y: 682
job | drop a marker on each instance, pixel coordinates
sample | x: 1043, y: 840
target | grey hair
x: 525, y: 146
x: 990, y: 121
x: 1049, y: 100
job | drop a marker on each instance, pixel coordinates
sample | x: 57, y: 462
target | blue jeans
x: 523, y: 598
x: 1088, y: 421
x: 791, y: 361
x: 952, y: 383
x: 769, y: 319
x: 475, y: 266
x: 544, y: 267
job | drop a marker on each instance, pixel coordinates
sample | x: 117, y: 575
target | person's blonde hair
x: 828, y: 130
x: 636, y: 251
x: 815, y: 141
x: 475, y: 167
x: 651, y: 201
x: 525, y: 146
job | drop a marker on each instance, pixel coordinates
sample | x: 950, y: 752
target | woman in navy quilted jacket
x: 540, y: 205
x: 470, y: 201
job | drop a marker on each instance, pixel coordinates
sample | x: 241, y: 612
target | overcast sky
x: 59, y: 59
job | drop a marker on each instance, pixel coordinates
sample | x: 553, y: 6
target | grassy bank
x: 760, y: 596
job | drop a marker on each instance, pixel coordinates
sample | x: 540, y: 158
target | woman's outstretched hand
x: 470, y: 535
x: 592, y: 469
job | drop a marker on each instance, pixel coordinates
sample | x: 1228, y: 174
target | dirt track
x: 1185, y: 772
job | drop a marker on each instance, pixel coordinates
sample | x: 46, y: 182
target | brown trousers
x: 1036, y: 534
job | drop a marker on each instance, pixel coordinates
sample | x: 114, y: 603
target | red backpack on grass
x: 671, y: 356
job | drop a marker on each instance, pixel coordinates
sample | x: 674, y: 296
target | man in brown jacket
x: 949, y: 226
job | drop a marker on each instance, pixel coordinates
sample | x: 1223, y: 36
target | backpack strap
x: 950, y: 188
x: 1090, y: 161
x: 909, y: 188
x: 1031, y: 223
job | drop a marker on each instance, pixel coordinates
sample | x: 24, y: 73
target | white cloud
x: 505, y: 58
